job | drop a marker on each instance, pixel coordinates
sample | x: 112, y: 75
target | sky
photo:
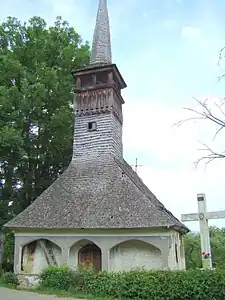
x: 167, y: 52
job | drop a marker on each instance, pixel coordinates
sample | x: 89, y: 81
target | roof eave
x: 183, y: 229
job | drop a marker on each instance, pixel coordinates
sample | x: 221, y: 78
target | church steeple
x: 98, y: 99
x: 101, y: 45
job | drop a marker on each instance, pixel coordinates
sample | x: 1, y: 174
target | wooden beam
x: 189, y: 217
x: 209, y: 215
x: 216, y: 214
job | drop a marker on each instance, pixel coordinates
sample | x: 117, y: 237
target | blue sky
x: 167, y: 51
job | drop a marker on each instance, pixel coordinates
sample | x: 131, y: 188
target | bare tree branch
x: 206, y: 114
x: 210, y: 155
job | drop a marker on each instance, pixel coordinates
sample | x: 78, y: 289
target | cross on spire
x: 136, y: 165
x: 101, y: 45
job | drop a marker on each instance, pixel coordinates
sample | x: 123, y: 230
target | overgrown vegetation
x: 138, y: 284
x: 10, y: 279
x: 193, y: 249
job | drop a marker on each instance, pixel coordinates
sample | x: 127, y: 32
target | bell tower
x: 98, y: 100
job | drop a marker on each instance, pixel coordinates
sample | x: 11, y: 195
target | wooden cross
x: 203, y: 216
x: 136, y: 165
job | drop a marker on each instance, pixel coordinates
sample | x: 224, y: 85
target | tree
x: 213, y: 113
x: 193, y: 249
x: 36, y: 115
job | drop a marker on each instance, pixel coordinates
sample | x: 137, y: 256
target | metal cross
x: 136, y: 165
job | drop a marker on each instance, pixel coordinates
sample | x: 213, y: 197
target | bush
x: 139, y: 284
x: 59, y: 278
x: 64, y: 278
x: 10, y: 278
x: 83, y: 279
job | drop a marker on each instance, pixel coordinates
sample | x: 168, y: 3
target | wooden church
x: 98, y: 212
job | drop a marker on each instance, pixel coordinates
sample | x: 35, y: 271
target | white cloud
x: 190, y: 31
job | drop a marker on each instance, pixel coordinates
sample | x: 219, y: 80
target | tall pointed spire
x: 101, y: 46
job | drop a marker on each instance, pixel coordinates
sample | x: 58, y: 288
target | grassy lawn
x: 58, y: 293
x: 70, y: 294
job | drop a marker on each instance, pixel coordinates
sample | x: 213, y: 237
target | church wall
x: 173, y: 263
x: 73, y: 253
x: 133, y: 255
x: 38, y: 260
x: 107, y: 139
x: 70, y: 240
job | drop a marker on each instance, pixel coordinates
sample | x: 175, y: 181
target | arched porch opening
x: 86, y: 253
x: 39, y: 254
x: 134, y: 254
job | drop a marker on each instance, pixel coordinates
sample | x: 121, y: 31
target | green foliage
x: 139, y: 284
x: 10, y: 278
x: 63, y: 278
x: 59, y: 278
x: 9, y: 247
x: 83, y: 279
x: 193, y: 249
x: 36, y: 117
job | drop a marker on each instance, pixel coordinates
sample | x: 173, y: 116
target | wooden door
x: 90, y: 255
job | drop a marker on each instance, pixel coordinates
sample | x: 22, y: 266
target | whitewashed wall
x: 73, y: 256
x: 40, y: 261
x: 172, y: 263
x: 134, y: 254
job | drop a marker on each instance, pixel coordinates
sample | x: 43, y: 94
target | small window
x: 92, y: 126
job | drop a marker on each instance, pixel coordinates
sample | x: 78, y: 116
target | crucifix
x: 203, y: 216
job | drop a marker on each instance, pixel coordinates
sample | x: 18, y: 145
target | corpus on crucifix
x: 203, y: 216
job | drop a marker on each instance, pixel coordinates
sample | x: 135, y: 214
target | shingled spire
x: 99, y: 190
x: 101, y: 45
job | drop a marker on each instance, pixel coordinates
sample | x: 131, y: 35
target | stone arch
x: 133, y: 254
x: 30, y: 240
x: 85, y: 252
x: 37, y: 254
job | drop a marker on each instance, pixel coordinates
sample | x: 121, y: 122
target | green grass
x: 70, y: 294
x: 1, y: 282
x: 58, y: 293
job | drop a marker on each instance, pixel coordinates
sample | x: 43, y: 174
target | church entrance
x: 90, y: 256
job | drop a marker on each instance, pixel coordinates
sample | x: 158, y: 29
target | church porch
x: 111, y: 250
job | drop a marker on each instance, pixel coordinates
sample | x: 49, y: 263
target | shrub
x: 83, y: 279
x: 139, y: 284
x: 157, y: 285
x: 10, y: 278
x: 59, y: 278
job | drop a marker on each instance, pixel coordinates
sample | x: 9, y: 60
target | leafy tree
x: 36, y: 116
x: 8, y: 255
x: 193, y: 249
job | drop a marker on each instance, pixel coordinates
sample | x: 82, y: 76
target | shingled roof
x: 104, y: 191
x: 100, y: 194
